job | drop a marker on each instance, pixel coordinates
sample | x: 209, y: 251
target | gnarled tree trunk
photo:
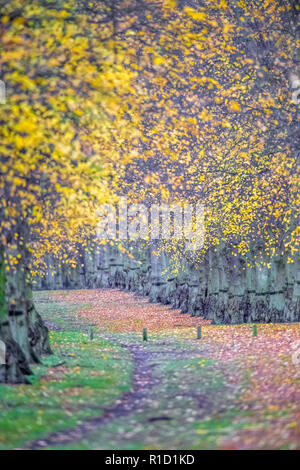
x: 21, y: 327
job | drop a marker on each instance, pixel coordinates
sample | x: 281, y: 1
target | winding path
x: 186, y: 394
x: 153, y: 397
x: 143, y: 381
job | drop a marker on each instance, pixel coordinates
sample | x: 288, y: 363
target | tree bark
x: 21, y: 327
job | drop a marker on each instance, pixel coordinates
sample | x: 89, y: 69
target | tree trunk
x: 158, y: 281
x: 278, y: 288
x: 213, y: 312
x: 237, y: 306
x: 259, y: 308
x: 21, y: 327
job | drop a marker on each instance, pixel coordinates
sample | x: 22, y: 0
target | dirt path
x: 143, y: 381
x: 146, y: 387
x: 151, y: 411
x: 218, y: 392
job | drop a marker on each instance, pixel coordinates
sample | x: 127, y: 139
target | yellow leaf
x: 234, y: 106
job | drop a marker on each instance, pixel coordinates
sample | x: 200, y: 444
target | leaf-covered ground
x: 249, y: 387
x: 228, y: 390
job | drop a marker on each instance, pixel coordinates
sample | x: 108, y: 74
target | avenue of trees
x: 160, y: 101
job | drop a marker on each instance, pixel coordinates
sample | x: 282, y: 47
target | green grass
x: 183, y: 384
x: 2, y: 287
x: 86, y: 376
x: 81, y: 379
